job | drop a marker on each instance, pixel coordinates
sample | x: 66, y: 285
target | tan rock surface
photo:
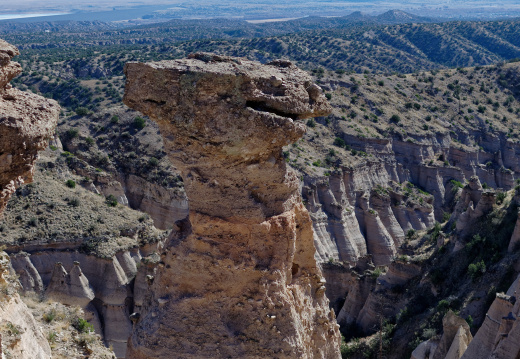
x: 27, y: 121
x: 455, y: 337
x: 238, y: 279
x: 69, y: 288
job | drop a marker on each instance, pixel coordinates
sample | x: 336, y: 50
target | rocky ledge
x: 26, y: 123
x: 238, y: 278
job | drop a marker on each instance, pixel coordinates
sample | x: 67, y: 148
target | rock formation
x: 238, y: 279
x: 27, y: 121
x: 363, y: 211
x: 107, y: 289
x: 497, y: 337
x: 455, y: 339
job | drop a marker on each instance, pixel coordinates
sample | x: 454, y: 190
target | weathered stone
x: 455, y: 337
x: 239, y: 278
x: 26, y: 122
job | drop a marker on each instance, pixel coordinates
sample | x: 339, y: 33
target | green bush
x: 139, y: 123
x: 72, y: 133
x: 114, y: 119
x: 74, y: 202
x: 82, y: 325
x: 395, y: 119
x: 501, y: 196
x: 71, y: 183
x: 311, y: 122
x: 475, y: 270
x: 111, y: 200
x: 49, y: 317
x: 81, y: 111
x: 339, y: 142
x: 469, y: 320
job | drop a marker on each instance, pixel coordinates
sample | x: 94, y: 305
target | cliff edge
x: 238, y: 278
x: 26, y: 123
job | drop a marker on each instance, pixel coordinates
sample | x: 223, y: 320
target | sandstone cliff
x: 238, y: 278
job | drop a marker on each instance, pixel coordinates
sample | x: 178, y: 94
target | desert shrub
x: 71, y: 183
x: 49, y: 316
x: 469, y: 320
x: 376, y: 273
x: 82, y: 325
x: 311, y: 122
x: 139, y: 123
x: 395, y: 119
x: 339, y: 142
x: 72, y: 133
x: 51, y: 337
x: 81, y: 111
x: 475, y: 270
x: 501, y: 196
x: 74, y: 202
x: 111, y: 200
x: 435, y: 232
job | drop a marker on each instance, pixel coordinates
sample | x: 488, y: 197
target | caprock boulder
x: 238, y: 278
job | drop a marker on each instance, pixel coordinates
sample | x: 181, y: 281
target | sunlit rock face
x: 27, y: 121
x: 238, y: 278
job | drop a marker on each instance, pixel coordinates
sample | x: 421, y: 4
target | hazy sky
x: 212, y: 8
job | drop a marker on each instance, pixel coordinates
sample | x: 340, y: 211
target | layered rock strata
x: 336, y: 202
x: 27, y: 121
x: 363, y: 211
x: 108, y: 289
x: 238, y: 278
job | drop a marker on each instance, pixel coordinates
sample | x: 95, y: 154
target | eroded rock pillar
x: 238, y: 279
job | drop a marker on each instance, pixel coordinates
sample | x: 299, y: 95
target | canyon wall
x: 27, y: 121
x: 238, y: 278
x: 360, y: 210
x: 109, y: 290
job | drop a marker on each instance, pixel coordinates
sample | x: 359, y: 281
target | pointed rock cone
x: 79, y: 288
x: 69, y: 288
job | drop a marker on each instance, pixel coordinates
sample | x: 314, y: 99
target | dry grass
x: 64, y: 339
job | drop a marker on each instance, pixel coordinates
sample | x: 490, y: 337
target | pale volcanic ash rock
x: 238, y: 279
